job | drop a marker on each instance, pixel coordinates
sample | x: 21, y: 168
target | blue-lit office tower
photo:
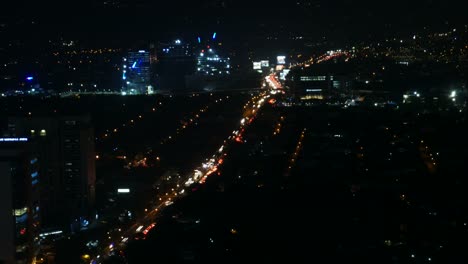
x: 136, y: 72
x: 19, y: 200
x: 175, y: 60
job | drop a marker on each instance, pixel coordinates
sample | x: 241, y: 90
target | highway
x: 180, y: 186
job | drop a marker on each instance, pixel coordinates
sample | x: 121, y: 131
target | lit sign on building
x: 279, y: 67
x: 257, y: 65
x: 313, y: 78
x: 20, y: 212
x: 51, y: 233
x: 265, y: 63
x: 13, y: 139
x: 281, y: 60
x: 125, y: 190
x: 283, y: 74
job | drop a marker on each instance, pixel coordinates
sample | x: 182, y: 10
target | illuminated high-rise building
x: 19, y: 200
x: 65, y: 147
x: 211, y: 64
x: 213, y: 70
x: 136, y: 72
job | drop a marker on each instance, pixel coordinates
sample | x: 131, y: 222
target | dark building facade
x: 175, y: 60
x: 65, y: 146
x: 19, y: 200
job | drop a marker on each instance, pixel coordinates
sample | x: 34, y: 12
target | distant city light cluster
x: 209, y: 63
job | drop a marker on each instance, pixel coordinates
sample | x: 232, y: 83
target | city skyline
x: 224, y: 131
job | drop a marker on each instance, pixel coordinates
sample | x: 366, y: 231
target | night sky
x: 124, y: 20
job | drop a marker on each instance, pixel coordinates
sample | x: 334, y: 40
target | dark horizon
x: 124, y: 21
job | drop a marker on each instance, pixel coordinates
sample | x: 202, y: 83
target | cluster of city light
x: 329, y: 55
x: 332, y: 55
x: 453, y: 95
x: 210, y: 167
x: 271, y: 80
x: 210, y: 63
x: 409, y: 95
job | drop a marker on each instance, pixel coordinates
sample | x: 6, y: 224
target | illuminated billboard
x: 265, y: 63
x: 257, y: 65
x: 281, y: 60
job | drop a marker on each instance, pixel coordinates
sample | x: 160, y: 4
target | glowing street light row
x: 130, y: 122
x: 295, y: 154
x: 278, y: 126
